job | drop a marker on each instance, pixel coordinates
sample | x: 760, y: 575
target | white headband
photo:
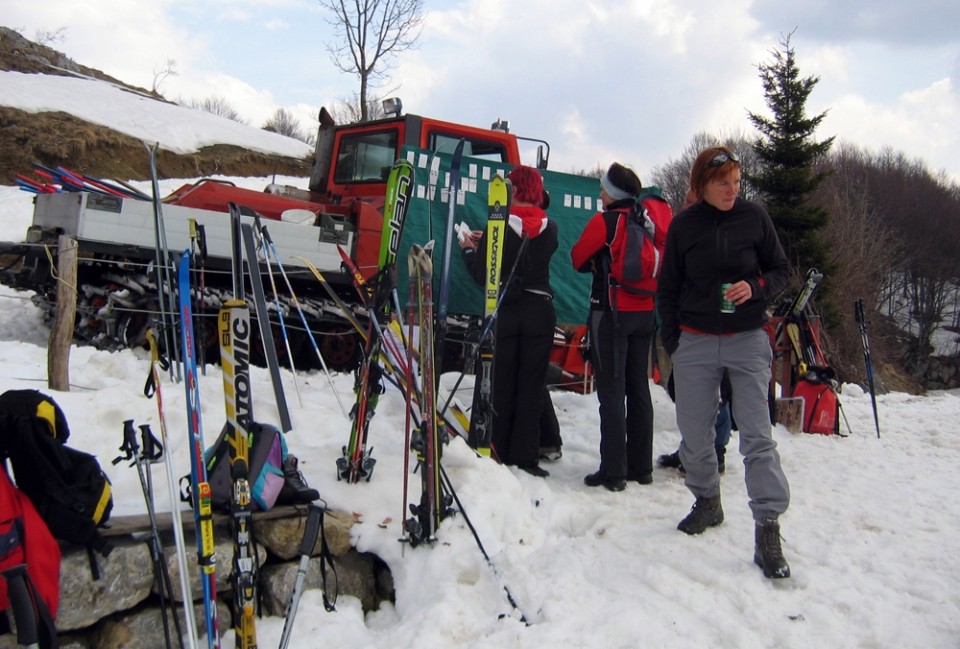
x: 612, y: 190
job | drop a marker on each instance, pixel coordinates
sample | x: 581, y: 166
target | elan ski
x: 481, y: 414
x: 200, y: 488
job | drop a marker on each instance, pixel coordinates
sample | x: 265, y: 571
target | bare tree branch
x: 369, y: 34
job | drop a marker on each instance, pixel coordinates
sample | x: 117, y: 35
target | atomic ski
x: 200, y: 488
x: 481, y: 414
x: 235, y: 337
x: 356, y: 461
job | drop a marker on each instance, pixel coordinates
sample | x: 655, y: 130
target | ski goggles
x: 723, y: 158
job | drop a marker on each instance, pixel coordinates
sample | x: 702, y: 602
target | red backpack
x: 636, y: 249
x: 25, y: 540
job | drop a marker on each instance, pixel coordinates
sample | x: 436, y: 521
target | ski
x: 433, y: 505
x: 481, y: 413
x: 200, y: 489
x: 865, y: 341
x: 263, y: 323
x: 357, y: 462
x: 235, y: 339
x: 810, y: 284
x: 443, y: 298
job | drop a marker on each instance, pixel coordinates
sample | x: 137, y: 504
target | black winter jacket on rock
x: 706, y: 248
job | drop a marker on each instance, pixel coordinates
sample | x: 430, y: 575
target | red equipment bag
x: 821, y: 410
x: 25, y: 539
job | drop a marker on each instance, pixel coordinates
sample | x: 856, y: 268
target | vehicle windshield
x: 472, y: 148
x: 366, y: 157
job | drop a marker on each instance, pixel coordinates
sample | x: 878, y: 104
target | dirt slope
x: 61, y: 139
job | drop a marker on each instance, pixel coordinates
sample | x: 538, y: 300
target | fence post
x: 61, y: 334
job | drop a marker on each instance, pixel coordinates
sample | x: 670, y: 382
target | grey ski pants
x: 698, y: 366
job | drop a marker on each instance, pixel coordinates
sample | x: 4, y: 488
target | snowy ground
x: 870, y: 535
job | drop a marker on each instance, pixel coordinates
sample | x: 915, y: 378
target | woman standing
x: 526, y: 320
x: 621, y: 325
x: 723, y: 265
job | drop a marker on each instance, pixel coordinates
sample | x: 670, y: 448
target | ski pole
x: 862, y: 324
x: 151, y: 389
x: 160, y: 574
x: 310, y: 532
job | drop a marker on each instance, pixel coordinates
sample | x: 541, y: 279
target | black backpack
x: 68, y: 488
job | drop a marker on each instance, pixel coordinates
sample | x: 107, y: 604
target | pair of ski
x: 235, y: 336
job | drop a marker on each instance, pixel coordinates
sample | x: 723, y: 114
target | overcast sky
x: 599, y: 80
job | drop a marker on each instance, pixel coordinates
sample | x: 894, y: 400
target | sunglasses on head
x: 723, y: 158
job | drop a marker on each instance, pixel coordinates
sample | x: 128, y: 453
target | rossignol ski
x: 199, y: 487
x: 865, y: 341
x: 357, y: 462
x: 481, y: 414
x: 433, y: 505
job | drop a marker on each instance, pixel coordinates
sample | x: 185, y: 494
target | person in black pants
x: 621, y: 326
x: 525, y: 321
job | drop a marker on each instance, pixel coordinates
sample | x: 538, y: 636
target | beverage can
x: 726, y: 306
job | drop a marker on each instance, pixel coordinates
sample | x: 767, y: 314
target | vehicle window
x: 473, y: 148
x: 365, y: 157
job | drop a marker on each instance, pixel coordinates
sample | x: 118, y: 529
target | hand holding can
x: 726, y: 306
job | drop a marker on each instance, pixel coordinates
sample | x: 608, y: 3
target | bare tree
x: 369, y: 33
x: 160, y: 74
x: 284, y: 123
x: 218, y: 106
x: 673, y: 178
x: 347, y: 111
x: 50, y: 38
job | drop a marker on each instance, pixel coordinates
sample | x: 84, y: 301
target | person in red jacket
x: 621, y: 326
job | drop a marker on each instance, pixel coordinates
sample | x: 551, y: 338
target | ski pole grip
x: 312, y: 529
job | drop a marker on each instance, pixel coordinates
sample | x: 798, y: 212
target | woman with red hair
x: 722, y: 266
x: 526, y: 320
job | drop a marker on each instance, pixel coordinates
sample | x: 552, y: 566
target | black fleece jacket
x: 533, y: 269
x: 707, y: 248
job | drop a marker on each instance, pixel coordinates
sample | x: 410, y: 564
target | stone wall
x: 122, y: 609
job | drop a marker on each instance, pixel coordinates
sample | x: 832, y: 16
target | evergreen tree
x: 787, y: 153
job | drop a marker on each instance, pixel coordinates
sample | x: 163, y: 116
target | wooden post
x: 61, y: 335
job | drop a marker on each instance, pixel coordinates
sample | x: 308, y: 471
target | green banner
x: 573, y: 200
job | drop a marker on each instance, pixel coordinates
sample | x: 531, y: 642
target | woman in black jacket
x: 722, y: 266
x: 526, y: 320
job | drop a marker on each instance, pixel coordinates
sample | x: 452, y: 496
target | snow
x: 871, y: 534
